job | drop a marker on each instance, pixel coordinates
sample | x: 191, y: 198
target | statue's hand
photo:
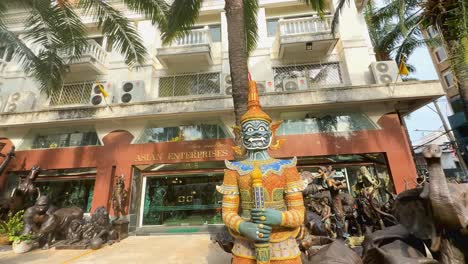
x: 266, y: 216
x: 253, y: 231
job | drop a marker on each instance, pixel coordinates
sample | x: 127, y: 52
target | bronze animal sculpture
x: 435, y: 212
x: 119, y: 197
x: 26, y: 188
x: 46, y: 223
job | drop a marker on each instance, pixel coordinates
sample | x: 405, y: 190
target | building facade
x: 166, y: 127
x: 442, y: 65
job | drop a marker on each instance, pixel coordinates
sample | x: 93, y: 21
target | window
x: 272, y: 26
x: 457, y: 104
x: 441, y: 55
x: 432, y: 32
x: 311, y: 123
x: 449, y: 80
x: 215, y: 33
x: 182, y: 133
x: 62, y: 187
x: 183, y: 200
x: 60, y: 138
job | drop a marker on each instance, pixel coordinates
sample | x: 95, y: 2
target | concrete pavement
x: 170, y: 249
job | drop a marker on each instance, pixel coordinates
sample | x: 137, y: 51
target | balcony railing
x: 194, y: 37
x: 307, y: 25
x: 307, y: 76
x: 72, y: 94
x: 189, y: 85
x: 92, y: 50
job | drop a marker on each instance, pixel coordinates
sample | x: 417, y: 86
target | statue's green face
x: 256, y: 135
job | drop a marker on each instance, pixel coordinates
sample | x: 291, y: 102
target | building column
x: 353, y: 47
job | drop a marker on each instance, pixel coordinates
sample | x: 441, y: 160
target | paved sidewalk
x: 173, y: 249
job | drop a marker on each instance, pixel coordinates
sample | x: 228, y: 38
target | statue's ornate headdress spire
x: 254, y: 110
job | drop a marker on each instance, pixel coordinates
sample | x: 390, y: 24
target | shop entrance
x: 180, y: 195
x: 182, y: 199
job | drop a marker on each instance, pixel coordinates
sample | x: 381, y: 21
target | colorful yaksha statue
x: 262, y: 206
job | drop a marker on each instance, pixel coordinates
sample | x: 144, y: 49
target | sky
x: 425, y: 118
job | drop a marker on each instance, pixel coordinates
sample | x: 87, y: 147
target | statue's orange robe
x: 283, y: 191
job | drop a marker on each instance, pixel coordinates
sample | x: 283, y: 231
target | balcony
x: 93, y: 59
x: 72, y: 94
x: 307, y: 76
x: 300, y: 37
x: 190, y: 85
x: 194, y: 48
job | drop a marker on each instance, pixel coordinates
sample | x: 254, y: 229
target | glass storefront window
x: 182, y: 133
x: 183, y: 200
x: 69, y: 193
x: 310, y: 123
x: 60, y: 138
x: 61, y: 192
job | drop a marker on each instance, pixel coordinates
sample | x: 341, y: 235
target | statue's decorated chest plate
x: 275, y: 166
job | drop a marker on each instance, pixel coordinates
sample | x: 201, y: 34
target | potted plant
x: 11, y: 227
x: 22, y: 243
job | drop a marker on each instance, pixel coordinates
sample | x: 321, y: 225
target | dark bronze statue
x: 26, y: 188
x: 6, y: 161
x: 90, y: 234
x: 46, y: 223
x: 119, y: 198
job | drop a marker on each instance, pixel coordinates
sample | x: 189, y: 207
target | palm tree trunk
x: 238, y: 59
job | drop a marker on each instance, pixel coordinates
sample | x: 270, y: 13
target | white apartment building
x: 166, y: 126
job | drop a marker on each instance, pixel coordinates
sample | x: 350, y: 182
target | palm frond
x: 21, y: 52
x: 71, y: 30
x: 2, y: 13
x: 48, y: 70
x: 181, y: 17
x: 250, y: 24
x: 337, y: 14
x: 320, y: 6
x: 156, y: 10
x: 118, y: 30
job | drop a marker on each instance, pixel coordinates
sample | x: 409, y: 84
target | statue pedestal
x: 121, y: 227
x: 62, y: 245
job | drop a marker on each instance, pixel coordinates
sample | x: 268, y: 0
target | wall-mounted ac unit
x: 227, y: 84
x: 294, y: 84
x: 20, y: 102
x: 131, y: 91
x: 384, y: 71
x: 97, y: 98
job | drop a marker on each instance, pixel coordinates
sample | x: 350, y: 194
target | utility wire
x: 416, y: 147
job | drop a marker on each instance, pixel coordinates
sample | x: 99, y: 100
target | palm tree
x: 396, y: 28
x: 241, y: 16
x: 54, y: 28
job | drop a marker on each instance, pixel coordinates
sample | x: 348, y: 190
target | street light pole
x: 450, y: 135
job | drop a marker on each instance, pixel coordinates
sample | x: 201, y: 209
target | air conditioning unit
x: 97, y: 98
x: 384, y: 71
x: 132, y: 91
x: 294, y: 84
x: 20, y: 102
x: 228, y: 84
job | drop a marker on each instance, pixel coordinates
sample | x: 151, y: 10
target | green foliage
x: 250, y: 24
x: 181, y: 17
x: 19, y: 238
x: 118, y: 30
x: 13, y: 226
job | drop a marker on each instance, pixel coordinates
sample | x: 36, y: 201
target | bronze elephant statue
x: 436, y: 212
